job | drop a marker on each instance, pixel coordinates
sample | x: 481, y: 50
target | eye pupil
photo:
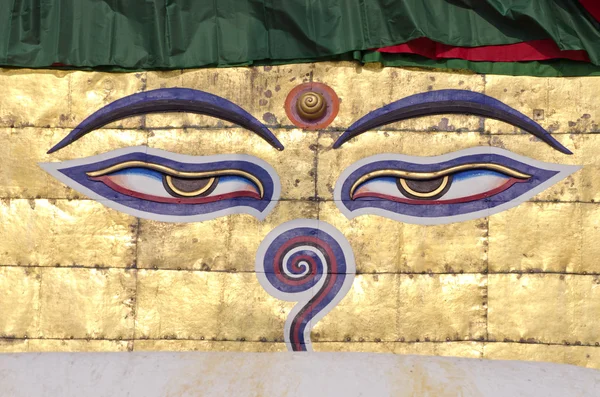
x: 189, y: 187
x: 425, y: 189
x: 424, y: 186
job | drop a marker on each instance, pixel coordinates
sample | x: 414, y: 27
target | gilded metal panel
x: 590, y: 174
x: 34, y: 98
x: 208, y: 346
x: 81, y: 303
x: 101, y: 141
x: 529, y: 95
x: 545, y: 248
x: 223, y: 244
x: 14, y: 345
x: 451, y: 349
x: 584, y: 356
x: 455, y: 301
x: 20, y: 151
x: 196, y: 305
x: 436, y: 143
x: 544, y: 308
x: 561, y: 105
x: 464, y: 248
x: 20, y: 303
x: 590, y: 235
x: 65, y: 233
x: 459, y: 349
x: 370, y: 312
x: 573, y: 102
x: 62, y: 345
x: 372, y: 255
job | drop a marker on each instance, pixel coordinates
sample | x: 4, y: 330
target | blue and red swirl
x: 308, y: 263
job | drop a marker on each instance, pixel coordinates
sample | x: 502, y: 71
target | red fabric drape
x: 593, y: 7
x: 535, y: 50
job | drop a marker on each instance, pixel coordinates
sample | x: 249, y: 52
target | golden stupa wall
x: 78, y: 276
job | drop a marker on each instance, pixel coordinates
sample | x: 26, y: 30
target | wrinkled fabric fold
x: 177, y: 34
x: 171, y: 34
x: 535, y: 50
x: 551, y: 68
x: 593, y: 7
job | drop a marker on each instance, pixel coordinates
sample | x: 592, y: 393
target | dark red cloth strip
x: 534, y: 50
x: 593, y: 7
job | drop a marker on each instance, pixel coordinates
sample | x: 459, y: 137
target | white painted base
x: 285, y: 374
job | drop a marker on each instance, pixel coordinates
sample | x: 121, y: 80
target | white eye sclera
x: 154, y: 186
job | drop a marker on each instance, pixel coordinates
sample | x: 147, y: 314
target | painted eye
x: 459, y: 186
x: 164, y: 186
x: 155, y: 182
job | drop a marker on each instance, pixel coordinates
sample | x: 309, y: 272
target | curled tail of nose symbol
x: 309, y: 262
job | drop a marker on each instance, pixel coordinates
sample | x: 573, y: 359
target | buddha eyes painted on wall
x: 309, y: 261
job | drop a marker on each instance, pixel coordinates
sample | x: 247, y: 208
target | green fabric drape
x: 174, y: 34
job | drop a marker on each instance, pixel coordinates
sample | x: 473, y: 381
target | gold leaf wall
x: 78, y: 276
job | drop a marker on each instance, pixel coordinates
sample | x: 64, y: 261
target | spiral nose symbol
x: 309, y: 262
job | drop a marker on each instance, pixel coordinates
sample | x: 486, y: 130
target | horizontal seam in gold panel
x: 358, y: 273
x: 210, y: 340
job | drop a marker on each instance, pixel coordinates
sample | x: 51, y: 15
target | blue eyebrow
x: 169, y: 100
x: 443, y: 102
